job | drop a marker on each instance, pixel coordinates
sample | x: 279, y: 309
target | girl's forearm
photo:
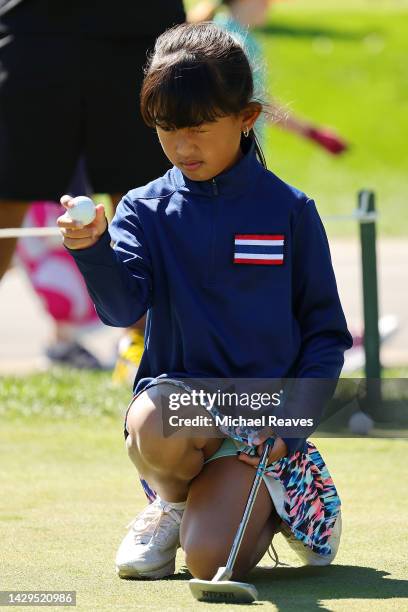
x: 120, y: 297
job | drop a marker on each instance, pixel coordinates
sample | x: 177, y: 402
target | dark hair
x: 196, y: 74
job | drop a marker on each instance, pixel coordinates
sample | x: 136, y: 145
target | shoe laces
x: 154, y: 522
x: 274, y: 556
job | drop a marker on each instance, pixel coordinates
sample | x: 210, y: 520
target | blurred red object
x: 328, y: 140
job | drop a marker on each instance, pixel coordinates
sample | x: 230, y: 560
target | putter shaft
x: 260, y: 471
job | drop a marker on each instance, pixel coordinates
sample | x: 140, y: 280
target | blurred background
x: 336, y: 64
x: 66, y: 483
x: 342, y: 64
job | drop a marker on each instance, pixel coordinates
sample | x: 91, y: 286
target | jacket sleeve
x: 117, y: 269
x: 323, y: 330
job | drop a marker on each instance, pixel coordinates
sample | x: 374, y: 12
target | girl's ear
x: 250, y: 114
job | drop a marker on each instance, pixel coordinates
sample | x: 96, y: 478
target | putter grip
x: 264, y: 457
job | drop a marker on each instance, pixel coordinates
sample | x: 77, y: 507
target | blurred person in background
x: 59, y: 284
x: 238, y: 19
x: 70, y: 73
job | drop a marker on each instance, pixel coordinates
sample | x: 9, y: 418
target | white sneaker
x: 150, y: 546
x: 308, y: 556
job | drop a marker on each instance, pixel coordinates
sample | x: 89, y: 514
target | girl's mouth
x: 191, y: 166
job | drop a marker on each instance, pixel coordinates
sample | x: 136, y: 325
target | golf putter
x: 221, y: 588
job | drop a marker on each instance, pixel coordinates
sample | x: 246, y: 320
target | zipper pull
x: 215, y: 186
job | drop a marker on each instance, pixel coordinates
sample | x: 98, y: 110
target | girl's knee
x: 145, y: 415
x: 147, y: 444
x: 144, y: 424
x: 205, y: 556
x: 144, y: 419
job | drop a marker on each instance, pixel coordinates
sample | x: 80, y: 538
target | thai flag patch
x: 263, y: 249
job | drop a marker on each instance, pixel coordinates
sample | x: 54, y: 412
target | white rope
x: 24, y: 232
x: 357, y: 215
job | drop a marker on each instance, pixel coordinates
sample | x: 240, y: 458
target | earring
x: 246, y: 131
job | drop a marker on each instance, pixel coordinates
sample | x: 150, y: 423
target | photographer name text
x: 238, y: 421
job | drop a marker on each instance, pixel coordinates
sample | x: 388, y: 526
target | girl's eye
x: 166, y: 128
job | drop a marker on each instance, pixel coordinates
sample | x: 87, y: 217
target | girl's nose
x: 185, y: 145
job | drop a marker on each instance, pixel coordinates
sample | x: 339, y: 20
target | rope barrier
x: 359, y: 215
x: 28, y: 232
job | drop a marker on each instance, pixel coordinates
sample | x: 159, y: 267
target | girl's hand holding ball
x: 82, y: 209
x: 83, y: 223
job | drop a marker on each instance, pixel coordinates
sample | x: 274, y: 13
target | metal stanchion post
x: 367, y: 215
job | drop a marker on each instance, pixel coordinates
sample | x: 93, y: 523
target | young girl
x: 233, y: 267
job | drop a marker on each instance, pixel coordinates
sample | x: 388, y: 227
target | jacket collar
x: 235, y: 180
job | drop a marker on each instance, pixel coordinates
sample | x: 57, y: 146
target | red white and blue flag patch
x: 264, y: 249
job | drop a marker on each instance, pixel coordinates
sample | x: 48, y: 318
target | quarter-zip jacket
x: 190, y: 254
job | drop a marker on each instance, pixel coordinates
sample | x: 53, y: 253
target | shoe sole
x: 157, y: 574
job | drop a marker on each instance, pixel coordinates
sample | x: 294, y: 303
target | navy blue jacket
x: 235, y: 274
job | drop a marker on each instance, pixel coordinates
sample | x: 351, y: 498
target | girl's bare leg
x: 216, y: 492
x: 169, y: 464
x: 215, y: 505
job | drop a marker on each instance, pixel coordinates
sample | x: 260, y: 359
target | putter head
x: 223, y: 591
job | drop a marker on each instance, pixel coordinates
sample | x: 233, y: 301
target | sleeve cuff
x: 98, y: 254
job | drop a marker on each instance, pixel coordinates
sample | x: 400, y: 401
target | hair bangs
x: 183, y: 94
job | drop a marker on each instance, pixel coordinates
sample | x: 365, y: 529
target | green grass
x: 343, y: 64
x: 68, y: 490
x: 66, y: 394
x: 62, y: 394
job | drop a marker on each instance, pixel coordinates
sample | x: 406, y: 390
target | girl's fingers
x: 66, y: 201
x: 66, y: 222
x: 78, y: 233
x: 278, y: 451
x: 244, y: 458
x: 262, y: 435
x: 78, y: 236
x: 100, y: 222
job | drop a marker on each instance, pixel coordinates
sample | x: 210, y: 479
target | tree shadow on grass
x: 304, y: 588
x: 284, y: 30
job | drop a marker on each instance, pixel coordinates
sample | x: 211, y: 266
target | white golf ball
x: 360, y: 423
x: 83, y: 210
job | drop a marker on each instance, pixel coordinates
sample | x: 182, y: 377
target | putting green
x: 68, y: 490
